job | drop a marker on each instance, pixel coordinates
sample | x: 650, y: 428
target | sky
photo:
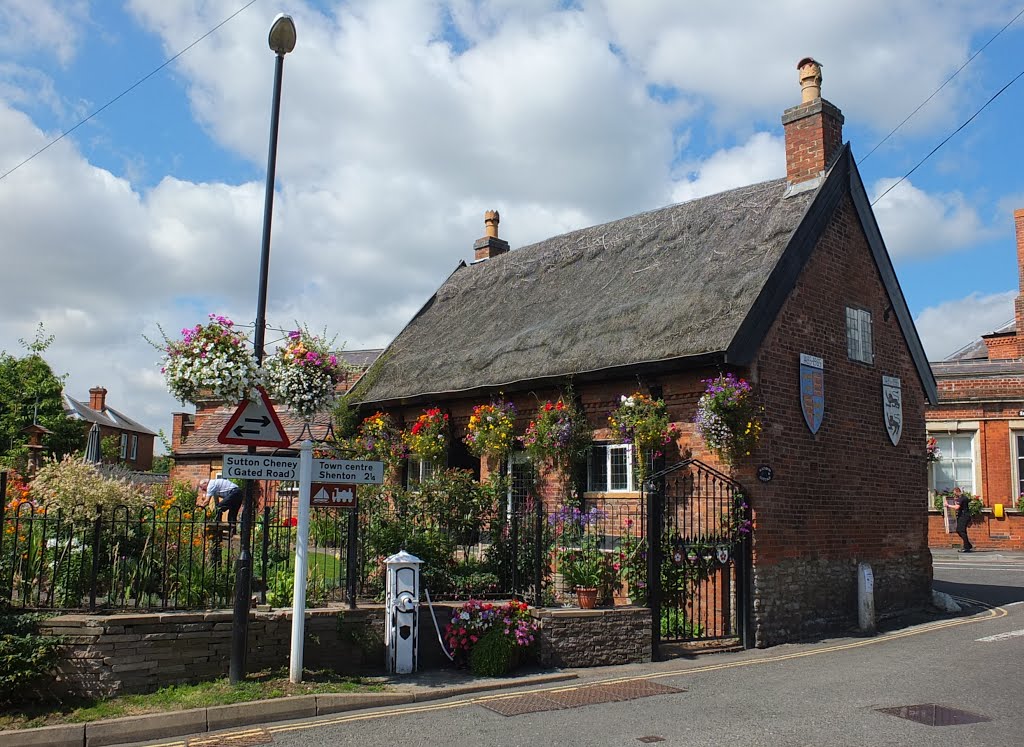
x: 402, y: 121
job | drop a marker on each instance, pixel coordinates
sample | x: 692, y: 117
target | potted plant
x: 642, y: 421
x: 304, y: 373
x: 585, y: 570
x: 728, y: 417
x: 489, y: 434
x: 428, y: 436
x: 210, y: 360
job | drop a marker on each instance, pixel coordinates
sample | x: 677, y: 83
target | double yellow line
x: 991, y: 613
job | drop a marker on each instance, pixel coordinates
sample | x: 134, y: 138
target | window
x: 1018, y: 442
x: 420, y: 469
x: 955, y: 468
x: 858, y: 335
x: 124, y: 446
x: 135, y: 447
x: 610, y: 468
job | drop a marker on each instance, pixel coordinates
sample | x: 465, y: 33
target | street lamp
x: 282, y: 41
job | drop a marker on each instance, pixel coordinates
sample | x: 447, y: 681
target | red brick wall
x: 986, y: 532
x: 845, y: 494
x: 814, y: 136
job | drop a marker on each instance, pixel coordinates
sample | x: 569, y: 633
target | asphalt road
x: 828, y: 692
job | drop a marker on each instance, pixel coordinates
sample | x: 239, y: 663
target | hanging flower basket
x: 303, y: 374
x: 558, y: 434
x: 209, y: 361
x: 490, y: 429
x: 428, y: 436
x: 728, y: 418
x: 642, y: 421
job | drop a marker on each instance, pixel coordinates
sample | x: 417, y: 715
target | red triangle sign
x: 255, y: 424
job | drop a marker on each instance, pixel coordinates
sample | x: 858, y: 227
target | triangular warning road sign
x: 255, y: 424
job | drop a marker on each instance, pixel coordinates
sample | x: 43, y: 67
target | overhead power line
x: 933, y: 94
x: 949, y: 137
x: 123, y: 93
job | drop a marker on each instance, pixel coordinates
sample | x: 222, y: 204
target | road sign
x: 252, y: 467
x: 332, y: 495
x: 255, y: 424
x: 348, y: 471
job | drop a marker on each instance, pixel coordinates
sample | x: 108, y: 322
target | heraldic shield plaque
x: 812, y: 390
x: 892, y: 407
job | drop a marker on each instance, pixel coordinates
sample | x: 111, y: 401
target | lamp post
x: 282, y: 41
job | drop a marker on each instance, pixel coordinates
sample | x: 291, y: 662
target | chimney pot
x: 489, y: 245
x: 809, y: 70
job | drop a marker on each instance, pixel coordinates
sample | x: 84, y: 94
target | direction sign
x: 253, y: 467
x: 348, y: 471
x: 255, y: 424
x: 327, y: 495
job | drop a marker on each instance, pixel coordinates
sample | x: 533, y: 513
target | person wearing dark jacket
x: 963, y: 517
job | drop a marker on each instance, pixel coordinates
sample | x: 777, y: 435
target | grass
x: 258, y: 686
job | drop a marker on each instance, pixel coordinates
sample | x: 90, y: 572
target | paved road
x: 825, y: 693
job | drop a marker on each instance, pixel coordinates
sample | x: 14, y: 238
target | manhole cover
x: 241, y: 739
x: 521, y: 704
x: 578, y: 696
x: 931, y: 714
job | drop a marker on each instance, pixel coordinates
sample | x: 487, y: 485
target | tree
x: 30, y: 392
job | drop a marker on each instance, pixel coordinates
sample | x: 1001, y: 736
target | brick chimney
x: 490, y: 245
x: 98, y: 398
x: 814, y: 129
x: 1009, y: 345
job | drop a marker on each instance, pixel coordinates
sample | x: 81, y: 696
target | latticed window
x: 858, y: 335
x: 420, y: 469
x: 610, y: 468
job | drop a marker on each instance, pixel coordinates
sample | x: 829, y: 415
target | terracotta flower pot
x: 586, y: 597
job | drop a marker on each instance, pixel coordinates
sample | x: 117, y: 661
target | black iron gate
x: 698, y: 567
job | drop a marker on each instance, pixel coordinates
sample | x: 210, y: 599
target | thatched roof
x: 669, y: 283
x: 673, y: 284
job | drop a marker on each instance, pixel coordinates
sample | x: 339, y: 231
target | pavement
x: 404, y: 689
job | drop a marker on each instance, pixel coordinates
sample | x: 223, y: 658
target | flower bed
x: 490, y: 637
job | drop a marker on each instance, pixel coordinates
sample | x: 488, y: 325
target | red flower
x: 292, y: 522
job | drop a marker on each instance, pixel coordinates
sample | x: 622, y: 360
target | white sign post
x: 301, y: 562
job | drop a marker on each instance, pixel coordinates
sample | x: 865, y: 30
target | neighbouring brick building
x: 756, y: 281
x: 135, y: 441
x: 978, y: 425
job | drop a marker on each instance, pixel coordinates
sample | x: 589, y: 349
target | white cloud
x: 916, y: 223
x: 761, y: 158
x: 42, y: 25
x: 949, y: 326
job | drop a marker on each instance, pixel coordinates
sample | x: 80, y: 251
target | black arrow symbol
x: 263, y: 421
x: 240, y: 430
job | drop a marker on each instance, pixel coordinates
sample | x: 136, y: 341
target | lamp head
x: 282, y: 35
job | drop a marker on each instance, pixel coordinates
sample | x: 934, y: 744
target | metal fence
x: 173, y: 557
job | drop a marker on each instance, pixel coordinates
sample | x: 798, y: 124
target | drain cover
x: 556, y: 700
x: 931, y: 714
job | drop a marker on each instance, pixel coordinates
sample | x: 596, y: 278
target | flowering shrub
x: 727, y: 417
x: 736, y: 520
x: 497, y: 629
x: 643, y: 421
x: 632, y: 563
x: 209, y: 360
x: 428, y: 436
x: 303, y: 373
x: 18, y: 490
x: 489, y: 433
x: 932, y: 451
x: 558, y: 433
x: 71, y: 483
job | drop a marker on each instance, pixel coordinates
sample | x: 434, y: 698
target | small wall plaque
x: 765, y: 473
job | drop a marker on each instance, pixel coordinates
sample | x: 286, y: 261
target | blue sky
x: 403, y: 120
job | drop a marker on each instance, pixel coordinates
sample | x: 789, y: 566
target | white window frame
x: 608, y: 449
x: 124, y: 446
x: 1016, y: 474
x: 417, y: 470
x: 134, y: 452
x: 860, y: 343
x: 937, y: 429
